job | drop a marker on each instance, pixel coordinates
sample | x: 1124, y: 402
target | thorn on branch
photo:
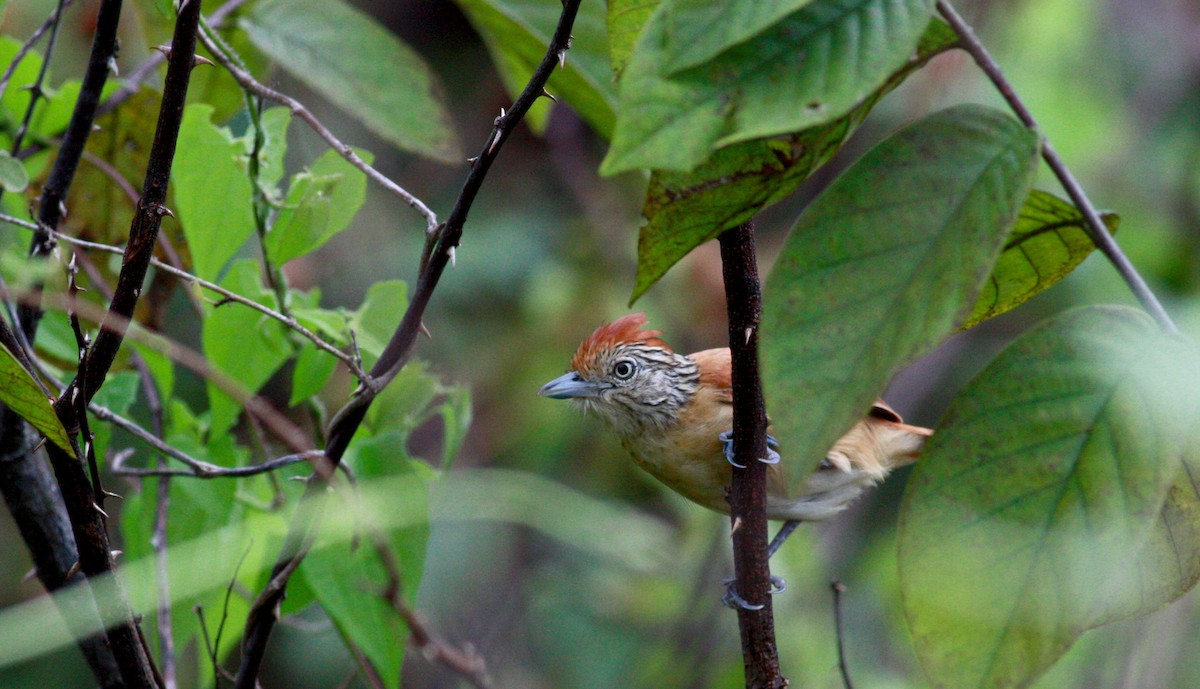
x: 547, y: 94
x: 201, y: 60
x: 100, y: 509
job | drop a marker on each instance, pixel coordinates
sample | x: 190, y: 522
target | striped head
x: 628, y: 377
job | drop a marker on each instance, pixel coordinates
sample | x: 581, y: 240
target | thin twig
x: 298, y: 109
x: 467, y: 663
x: 226, y: 295
x: 838, y: 589
x: 28, y: 45
x: 1095, y: 226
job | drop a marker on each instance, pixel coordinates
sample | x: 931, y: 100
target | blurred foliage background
x: 549, y: 253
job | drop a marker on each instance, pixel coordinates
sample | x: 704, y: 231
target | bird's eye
x: 624, y: 369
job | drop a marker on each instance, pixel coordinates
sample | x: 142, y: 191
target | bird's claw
x: 731, y: 599
x: 772, y: 457
x: 726, y: 439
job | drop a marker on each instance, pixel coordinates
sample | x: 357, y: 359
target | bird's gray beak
x: 570, y: 385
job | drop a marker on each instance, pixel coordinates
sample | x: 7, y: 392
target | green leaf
x: 212, y: 192
x: 809, y: 68
x: 685, y: 209
x: 626, y: 18
x: 349, y: 578
x: 699, y: 30
x: 313, y: 369
x: 456, y: 421
x: 321, y: 202
x: 1047, y: 474
x: 883, y: 266
x: 516, y: 33
x: 1046, y: 244
x: 12, y: 174
x: 20, y: 392
x: 378, y: 317
x: 274, y: 123
x: 244, y: 344
x: 358, y: 66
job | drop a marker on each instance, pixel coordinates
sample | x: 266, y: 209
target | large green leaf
x: 808, y: 68
x: 359, y: 66
x: 212, y: 192
x: 1046, y: 244
x: 883, y: 266
x: 516, y: 33
x: 242, y: 343
x: 685, y: 209
x: 1047, y: 478
x: 20, y: 393
x: 320, y: 203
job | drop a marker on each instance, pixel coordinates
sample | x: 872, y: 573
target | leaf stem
x: 1094, y: 226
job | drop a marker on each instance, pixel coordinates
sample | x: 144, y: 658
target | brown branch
x: 748, y: 493
x: 440, y: 247
x: 1093, y: 225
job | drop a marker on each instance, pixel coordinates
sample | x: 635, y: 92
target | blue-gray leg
x: 731, y: 599
x: 772, y: 457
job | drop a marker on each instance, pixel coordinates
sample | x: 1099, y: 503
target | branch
x: 226, y: 295
x: 36, y: 36
x: 838, y: 589
x: 52, y: 206
x: 748, y: 494
x: 1095, y: 226
x: 133, y: 82
x: 249, y: 83
x: 440, y: 247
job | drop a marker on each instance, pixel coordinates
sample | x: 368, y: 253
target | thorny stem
x: 1095, y: 226
x: 262, y: 616
x: 748, y: 493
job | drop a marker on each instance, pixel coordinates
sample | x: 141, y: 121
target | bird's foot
x: 772, y: 457
x: 731, y: 599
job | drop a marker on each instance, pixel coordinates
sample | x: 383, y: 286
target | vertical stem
x: 748, y: 495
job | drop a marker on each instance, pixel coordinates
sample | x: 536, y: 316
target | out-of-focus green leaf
x: 456, y: 421
x: 212, y: 192
x: 378, y: 317
x: 516, y: 33
x: 12, y: 174
x: 320, y: 203
x: 242, y: 343
x: 313, y: 368
x: 274, y: 123
x: 404, y: 403
x: 883, y: 266
x: 20, y: 392
x: 360, y: 67
x: 351, y: 579
x: 625, y: 21
x: 1046, y: 478
x: 1045, y: 245
x: 617, y: 536
x: 808, y: 68
x: 685, y: 209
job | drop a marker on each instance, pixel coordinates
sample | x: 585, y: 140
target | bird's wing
x: 716, y: 371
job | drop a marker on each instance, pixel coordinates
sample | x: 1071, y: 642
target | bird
x: 673, y: 414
